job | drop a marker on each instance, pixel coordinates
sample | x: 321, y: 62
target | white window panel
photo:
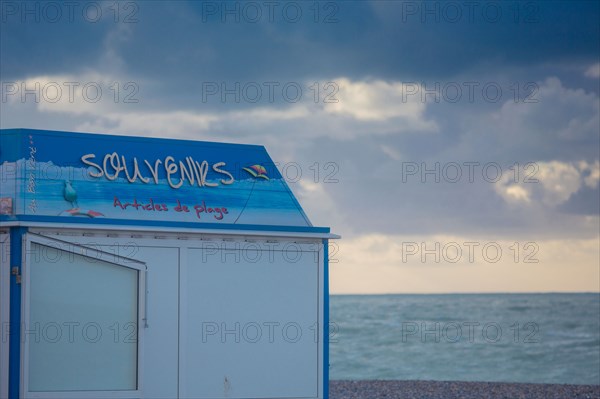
x: 83, y: 321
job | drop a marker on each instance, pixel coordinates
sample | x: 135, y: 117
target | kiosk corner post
x: 326, y: 319
x: 14, y: 362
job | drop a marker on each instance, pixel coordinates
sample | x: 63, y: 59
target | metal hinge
x: 15, y: 272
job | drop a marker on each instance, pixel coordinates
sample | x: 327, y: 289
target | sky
x: 454, y: 146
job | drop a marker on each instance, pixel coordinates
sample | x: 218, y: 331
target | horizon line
x: 468, y: 293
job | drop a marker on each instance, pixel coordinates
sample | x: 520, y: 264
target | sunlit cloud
x: 591, y: 172
x: 552, y: 184
x: 559, y: 181
x: 593, y: 71
x: 359, y: 108
x: 380, y: 101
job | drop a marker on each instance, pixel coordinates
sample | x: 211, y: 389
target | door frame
x: 30, y: 238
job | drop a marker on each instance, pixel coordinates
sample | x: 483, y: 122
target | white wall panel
x: 251, y: 319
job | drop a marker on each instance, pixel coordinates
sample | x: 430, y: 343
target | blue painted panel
x: 92, y: 176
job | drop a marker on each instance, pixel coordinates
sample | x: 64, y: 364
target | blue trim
x: 14, y: 352
x: 159, y: 223
x: 326, y: 319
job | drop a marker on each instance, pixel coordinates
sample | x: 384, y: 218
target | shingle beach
x: 375, y: 389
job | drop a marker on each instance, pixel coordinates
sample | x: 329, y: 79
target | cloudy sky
x: 454, y: 145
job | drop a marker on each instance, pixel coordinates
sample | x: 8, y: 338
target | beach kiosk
x: 154, y: 268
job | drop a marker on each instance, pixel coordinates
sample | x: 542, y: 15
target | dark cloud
x: 189, y: 42
x: 175, y: 48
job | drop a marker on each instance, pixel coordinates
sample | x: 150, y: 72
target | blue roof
x: 104, y: 179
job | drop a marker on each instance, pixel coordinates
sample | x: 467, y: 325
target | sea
x: 533, y: 338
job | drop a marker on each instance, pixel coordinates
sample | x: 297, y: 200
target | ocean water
x: 537, y: 338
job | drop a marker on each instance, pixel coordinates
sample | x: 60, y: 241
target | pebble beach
x: 377, y: 389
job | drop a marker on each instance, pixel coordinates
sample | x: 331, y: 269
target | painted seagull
x: 70, y: 194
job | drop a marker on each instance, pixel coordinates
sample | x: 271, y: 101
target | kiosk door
x: 83, y: 313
